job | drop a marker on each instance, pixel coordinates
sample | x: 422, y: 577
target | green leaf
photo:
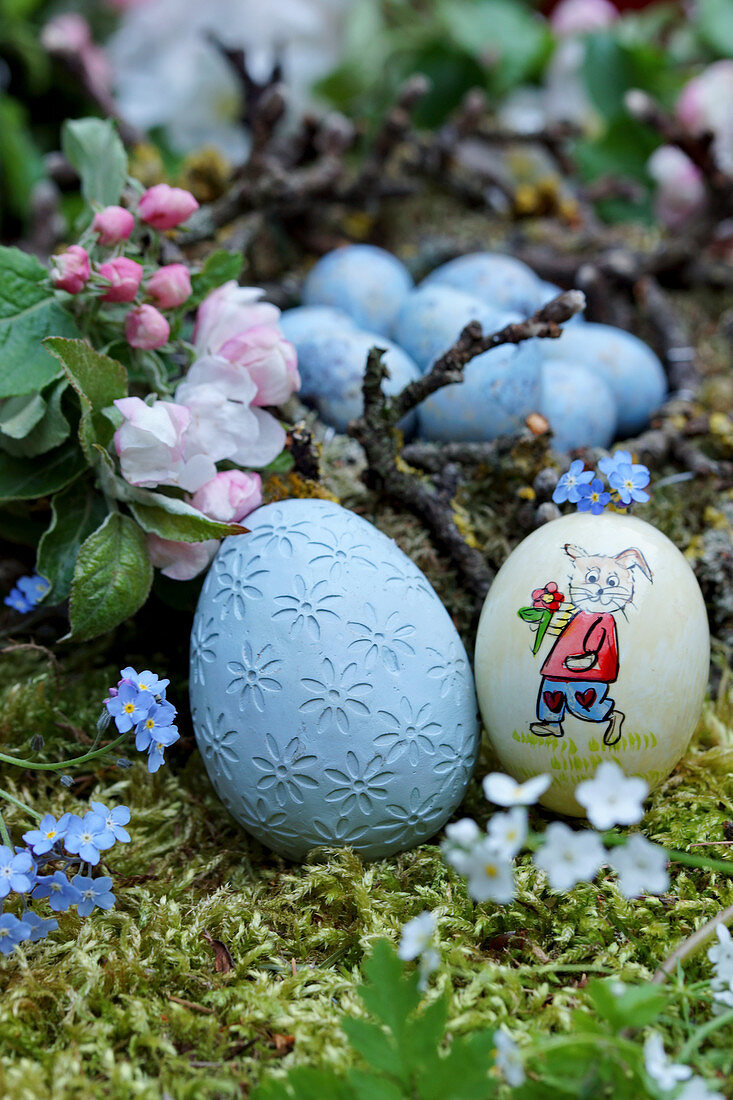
x: 76, y: 513
x: 184, y: 524
x: 21, y: 527
x: 49, y: 432
x: 376, y: 1047
x: 98, y: 380
x: 112, y: 578
x: 305, y: 1083
x: 423, y: 1034
x: 219, y: 267
x: 93, y: 147
x: 530, y: 614
x: 367, y: 1086
x: 21, y: 479
x: 283, y: 464
x: 715, y: 25
x: 28, y: 313
x: 635, y: 1006
x: 514, y: 39
x: 19, y: 415
x: 389, y: 993
x: 464, y: 1073
x: 608, y: 73
x: 22, y: 166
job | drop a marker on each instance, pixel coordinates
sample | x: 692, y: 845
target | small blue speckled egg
x: 432, y: 317
x: 331, y: 696
x: 633, y: 372
x: 499, y: 390
x: 501, y: 281
x: 306, y: 327
x: 332, y: 380
x: 364, y: 281
x: 579, y: 405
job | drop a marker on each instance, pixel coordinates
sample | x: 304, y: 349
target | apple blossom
x: 164, y: 207
x: 70, y: 269
x: 124, y: 276
x: 681, y: 190
x: 66, y: 33
x: 146, y: 328
x: 703, y: 107
x: 170, y: 286
x: 112, y: 225
x: 582, y: 16
x: 269, y: 359
x: 181, y: 560
x: 226, y: 313
x: 230, y: 496
x: 152, y: 446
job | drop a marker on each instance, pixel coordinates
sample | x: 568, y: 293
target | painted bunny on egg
x: 584, y: 660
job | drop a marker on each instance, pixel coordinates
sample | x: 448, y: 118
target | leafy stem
x: 4, y: 834
x: 21, y: 805
x: 62, y: 764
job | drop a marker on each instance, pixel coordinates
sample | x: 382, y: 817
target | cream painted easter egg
x: 332, y: 699
x: 593, y: 645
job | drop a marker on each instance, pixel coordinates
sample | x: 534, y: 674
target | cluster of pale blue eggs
x: 594, y: 384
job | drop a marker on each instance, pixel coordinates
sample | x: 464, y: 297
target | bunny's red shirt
x: 587, y: 632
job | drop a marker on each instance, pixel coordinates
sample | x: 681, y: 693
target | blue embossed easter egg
x: 331, y: 696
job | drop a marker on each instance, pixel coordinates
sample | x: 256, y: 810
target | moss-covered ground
x: 130, y: 1003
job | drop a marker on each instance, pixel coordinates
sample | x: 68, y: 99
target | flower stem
x: 4, y: 834
x: 21, y: 805
x: 701, y: 1033
x: 62, y: 764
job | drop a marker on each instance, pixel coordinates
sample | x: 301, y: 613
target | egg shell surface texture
x: 364, y: 281
x: 331, y: 695
x: 616, y: 670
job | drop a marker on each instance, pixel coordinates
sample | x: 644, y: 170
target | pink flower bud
x: 70, y: 270
x: 164, y: 207
x: 181, y: 560
x: 124, y: 277
x: 170, y: 286
x: 113, y: 224
x: 146, y: 328
x: 681, y: 188
x: 229, y: 496
x: 68, y: 33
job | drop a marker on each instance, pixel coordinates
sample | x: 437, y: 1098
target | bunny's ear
x: 574, y: 552
x: 631, y: 558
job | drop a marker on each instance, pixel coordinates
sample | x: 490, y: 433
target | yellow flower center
x: 129, y: 708
x: 149, y: 723
x: 50, y: 834
x: 490, y: 870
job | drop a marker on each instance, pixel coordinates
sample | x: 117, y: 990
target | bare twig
x: 691, y: 944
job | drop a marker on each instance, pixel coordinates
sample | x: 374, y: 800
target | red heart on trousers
x: 554, y: 700
x: 586, y: 698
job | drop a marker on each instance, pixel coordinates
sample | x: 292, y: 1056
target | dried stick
x: 376, y: 429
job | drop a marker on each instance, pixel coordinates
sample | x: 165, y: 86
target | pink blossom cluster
x: 242, y: 363
x: 680, y: 186
x: 121, y: 278
x: 704, y: 107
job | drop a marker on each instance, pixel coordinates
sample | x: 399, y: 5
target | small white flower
x: 505, y: 791
x: 509, y: 831
x: 722, y: 993
x: 697, y: 1089
x: 612, y: 798
x: 641, y: 867
x: 460, y: 838
x: 490, y: 874
x: 429, y: 963
x: 721, y: 954
x: 508, y: 1059
x: 569, y: 856
x: 664, y: 1073
x: 617, y: 988
x: 416, y: 936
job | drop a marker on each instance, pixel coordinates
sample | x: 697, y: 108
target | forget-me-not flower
x: 163, y: 739
x: 17, y: 871
x: 12, y: 931
x: 568, y: 487
x: 95, y: 893
x: 129, y: 706
x: 27, y: 593
x: 629, y: 482
x: 159, y: 719
x: 59, y: 891
x: 88, y: 837
x: 39, y: 926
x: 114, y: 820
x: 145, y: 681
x: 611, y: 463
x: 593, y: 498
x: 49, y: 830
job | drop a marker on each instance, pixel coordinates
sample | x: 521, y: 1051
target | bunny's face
x: 601, y: 583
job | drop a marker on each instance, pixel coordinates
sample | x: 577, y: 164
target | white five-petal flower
x: 508, y: 1059
x: 505, y: 791
x: 721, y: 954
x: 641, y: 867
x: 569, y: 856
x: 664, y: 1073
x: 416, y: 935
x: 509, y: 831
x: 611, y: 797
x: 489, y: 872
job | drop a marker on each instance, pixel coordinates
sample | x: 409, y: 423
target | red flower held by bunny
x: 547, y: 598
